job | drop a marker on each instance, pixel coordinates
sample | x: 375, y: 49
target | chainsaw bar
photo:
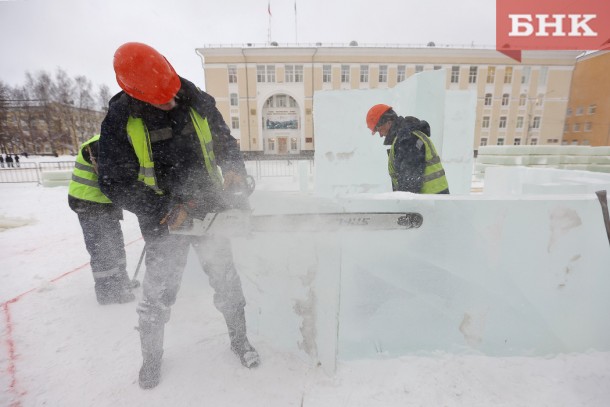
x: 240, y: 223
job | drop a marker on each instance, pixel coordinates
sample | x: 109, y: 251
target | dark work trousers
x: 166, y: 256
x: 105, y: 244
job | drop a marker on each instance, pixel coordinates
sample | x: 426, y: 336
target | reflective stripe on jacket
x: 84, y: 184
x: 434, y: 174
x: 140, y: 139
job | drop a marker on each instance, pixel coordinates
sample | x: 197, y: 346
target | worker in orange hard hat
x: 145, y: 74
x: 413, y: 163
x: 161, y: 144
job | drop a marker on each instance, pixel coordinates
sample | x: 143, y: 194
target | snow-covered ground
x: 58, y: 347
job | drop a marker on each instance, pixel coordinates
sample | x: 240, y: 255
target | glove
x: 177, y: 216
x: 233, y: 181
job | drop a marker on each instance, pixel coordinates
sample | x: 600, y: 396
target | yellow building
x: 265, y: 92
x: 588, y: 114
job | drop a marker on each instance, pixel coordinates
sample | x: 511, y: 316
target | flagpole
x: 269, y: 24
x: 296, y: 36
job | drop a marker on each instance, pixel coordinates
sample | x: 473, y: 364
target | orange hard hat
x: 374, y: 114
x: 143, y: 73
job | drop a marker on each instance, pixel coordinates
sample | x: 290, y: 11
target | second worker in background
x: 160, y: 145
x: 413, y: 163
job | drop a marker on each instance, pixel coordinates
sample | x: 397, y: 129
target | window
x: 232, y: 69
x: 502, y: 123
x: 491, y: 74
x: 265, y: 73
x: 271, y: 73
x: 520, y: 122
x: 419, y: 68
x: 364, y: 73
x: 488, y: 99
x: 289, y: 73
x: 536, y: 122
x: 500, y: 141
x: 472, y: 75
x: 517, y: 142
x: 534, y: 142
x: 539, y: 99
x: 280, y: 101
x: 505, y: 99
x: 455, y: 74
x: 233, y: 98
x: 579, y: 111
x: 587, y: 126
x: 344, y: 73
x: 576, y: 127
x: 592, y: 109
x: 438, y: 67
x: 525, y: 75
x: 484, y: 141
x: 235, y: 123
x: 485, y: 122
x: 292, y: 102
x: 383, y: 73
x: 298, y: 73
x: 401, y: 73
x: 522, y: 99
x: 326, y: 73
x: 293, y: 143
x: 569, y: 112
x: 260, y: 73
x: 271, y: 144
x: 508, y: 74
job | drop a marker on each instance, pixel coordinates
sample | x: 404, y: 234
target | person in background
x: 160, y: 145
x: 9, y: 161
x: 1, y: 161
x: 413, y: 163
x: 99, y: 220
x: 16, y: 160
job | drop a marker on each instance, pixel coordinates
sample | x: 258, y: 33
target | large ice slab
x: 350, y: 160
x: 511, y: 276
x: 504, y: 180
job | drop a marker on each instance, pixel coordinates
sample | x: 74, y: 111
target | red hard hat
x: 143, y: 73
x: 374, y: 114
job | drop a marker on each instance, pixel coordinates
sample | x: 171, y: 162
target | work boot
x: 151, y: 337
x: 248, y: 356
x: 150, y: 372
x: 236, y: 323
x: 113, y: 290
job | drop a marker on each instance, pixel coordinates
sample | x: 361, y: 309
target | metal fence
x: 25, y: 172
x: 258, y: 168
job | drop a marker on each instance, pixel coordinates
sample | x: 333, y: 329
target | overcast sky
x: 81, y: 36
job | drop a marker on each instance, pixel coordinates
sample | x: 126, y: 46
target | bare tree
x: 104, y: 96
x: 50, y: 113
x: 5, y: 131
x: 43, y: 89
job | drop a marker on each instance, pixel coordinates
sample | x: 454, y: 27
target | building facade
x: 588, y: 114
x: 265, y: 92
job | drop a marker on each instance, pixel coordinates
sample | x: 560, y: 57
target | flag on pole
x: 295, y: 7
x: 269, y: 7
